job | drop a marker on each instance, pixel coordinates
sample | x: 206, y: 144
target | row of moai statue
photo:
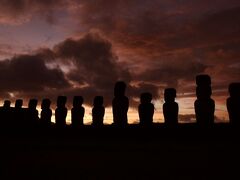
x: 29, y: 117
x: 204, y: 108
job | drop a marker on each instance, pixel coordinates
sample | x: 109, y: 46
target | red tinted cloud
x: 20, y: 11
x: 158, y: 43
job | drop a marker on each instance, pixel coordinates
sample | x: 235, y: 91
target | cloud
x: 85, y: 66
x: 170, y: 42
x: 187, y: 118
x: 29, y: 73
x: 92, y: 59
x: 94, y: 64
x: 146, y: 43
x: 5, y: 49
x: 173, y: 72
x: 166, y: 23
x: 16, y: 12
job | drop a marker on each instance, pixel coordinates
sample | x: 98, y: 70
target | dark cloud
x: 29, y: 73
x: 93, y: 60
x: 169, y: 42
x: 91, y: 68
x: 96, y: 66
x: 134, y: 91
x: 210, y: 29
x: 93, y: 63
x: 162, y: 43
x: 221, y: 25
x: 173, y: 73
x: 166, y: 23
x: 20, y: 11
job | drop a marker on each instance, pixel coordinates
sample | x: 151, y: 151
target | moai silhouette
x: 146, y: 109
x: 46, y: 113
x: 233, y: 104
x: 18, y: 115
x: 61, y: 112
x: 204, y: 105
x: 6, y: 114
x: 18, y: 104
x: 7, y: 104
x: 98, y: 111
x: 77, y: 112
x: 170, y: 107
x: 120, y: 105
x: 32, y: 113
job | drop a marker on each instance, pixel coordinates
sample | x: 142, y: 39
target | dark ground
x: 184, y: 152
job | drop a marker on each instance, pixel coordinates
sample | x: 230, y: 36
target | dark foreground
x: 184, y: 152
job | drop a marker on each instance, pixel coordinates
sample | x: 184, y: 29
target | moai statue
x: 120, y: 105
x: 77, y: 112
x: 61, y: 112
x: 18, y: 104
x: 18, y: 114
x: 170, y: 107
x: 233, y: 104
x: 6, y: 114
x: 146, y: 109
x: 98, y: 111
x: 32, y: 113
x: 204, y: 105
x: 46, y: 113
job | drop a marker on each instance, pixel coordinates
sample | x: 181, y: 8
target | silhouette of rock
x: 46, y: 113
x: 146, y: 109
x: 204, y: 105
x: 77, y: 112
x: 98, y: 111
x: 170, y: 107
x: 61, y: 112
x: 233, y: 103
x: 120, y: 105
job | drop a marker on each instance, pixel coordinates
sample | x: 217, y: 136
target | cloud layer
x: 89, y: 67
x: 149, y: 44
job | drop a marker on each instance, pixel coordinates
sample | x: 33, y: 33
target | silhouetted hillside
x: 34, y: 148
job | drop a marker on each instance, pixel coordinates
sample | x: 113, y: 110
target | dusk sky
x: 82, y: 47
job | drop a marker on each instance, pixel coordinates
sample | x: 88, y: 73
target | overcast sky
x: 82, y: 47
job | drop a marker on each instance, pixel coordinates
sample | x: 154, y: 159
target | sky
x: 82, y: 47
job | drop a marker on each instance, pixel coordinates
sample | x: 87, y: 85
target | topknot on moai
x: 203, y: 80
